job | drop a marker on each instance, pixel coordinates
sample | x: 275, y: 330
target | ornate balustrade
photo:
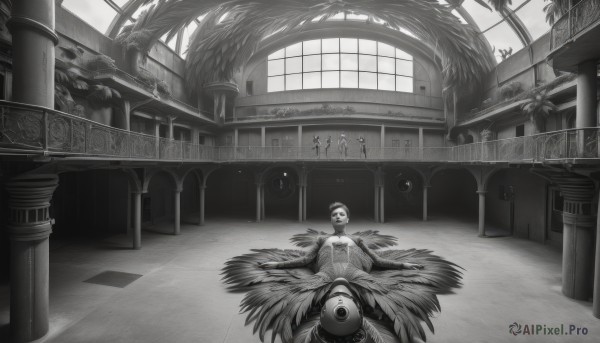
x: 578, y: 18
x: 36, y: 130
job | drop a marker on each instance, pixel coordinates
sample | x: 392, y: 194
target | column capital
x: 29, y: 203
x: 18, y: 21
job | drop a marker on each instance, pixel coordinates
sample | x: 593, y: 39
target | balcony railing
x: 37, y: 130
x: 579, y: 17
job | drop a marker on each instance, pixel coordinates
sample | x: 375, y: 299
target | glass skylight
x: 96, y: 13
x: 340, y: 63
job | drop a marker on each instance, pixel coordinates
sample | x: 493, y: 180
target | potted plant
x: 538, y: 107
x: 101, y: 100
x: 63, y: 80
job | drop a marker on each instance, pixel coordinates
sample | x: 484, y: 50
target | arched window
x: 340, y: 63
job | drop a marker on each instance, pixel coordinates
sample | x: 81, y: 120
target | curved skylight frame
x: 523, y: 29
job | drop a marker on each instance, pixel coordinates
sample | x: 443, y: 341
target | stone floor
x: 180, y: 297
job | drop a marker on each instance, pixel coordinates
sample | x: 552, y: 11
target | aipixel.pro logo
x: 516, y: 329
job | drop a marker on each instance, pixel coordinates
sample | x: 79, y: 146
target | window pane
x: 367, y: 63
x: 349, y: 61
x: 275, y: 84
x: 337, y: 16
x: 385, y: 50
x: 331, y: 62
x: 331, y: 45
x: 120, y: 2
x: 277, y: 54
x: 387, y: 82
x: 367, y: 46
x: 354, y: 16
x: 404, y: 84
x: 367, y: 80
x: 312, y: 80
x: 312, y: 63
x: 331, y: 79
x: 403, y: 55
x: 293, y: 65
x: 312, y: 47
x: 348, y: 45
x: 293, y: 82
x: 275, y: 67
x: 503, y: 37
x: 385, y: 65
x: 96, y: 13
x: 404, y: 67
x: 349, y: 79
x: 294, y: 50
x: 530, y: 15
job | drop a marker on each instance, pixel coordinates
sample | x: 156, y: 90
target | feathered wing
x: 277, y: 299
x: 309, y: 238
x: 406, y: 297
x: 437, y: 272
x: 374, y: 240
x: 243, y: 271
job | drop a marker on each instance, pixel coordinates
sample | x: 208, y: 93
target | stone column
x: 304, y: 203
x: 481, y: 194
x: 171, y: 119
x: 33, y: 37
x: 236, y: 137
x: 300, y: 202
x: 258, y: 210
x: 137, y: 220
x: 177, y: 204
x: 586, y: 102
x: 382, y: 204
x: 262, y: 202
x: 425, y: 203
x: 376, y: 203
x: 29, y: 227
x: 202, y: 204
x: 299, y: 141
x: 596, y: 295
x: 157, y: 135
x: 420, y: 143
x: 382, y: 143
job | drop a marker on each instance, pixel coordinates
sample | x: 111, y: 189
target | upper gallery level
x: 36, y: 132
x: 574, y: 36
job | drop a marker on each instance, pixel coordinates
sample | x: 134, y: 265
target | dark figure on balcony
x: 327, y: 145
x: 363, y: 146
x: 316, y: 145
x: 343, y: 145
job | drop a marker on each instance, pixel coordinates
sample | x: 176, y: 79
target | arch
x: 453, y: 192
x: 232, y: 192
x: 404, y: 191
x: 133, y: 178
x: 177, y: 181
x: 350, y: 186
x: 281, y: 188
x: 344, y: 29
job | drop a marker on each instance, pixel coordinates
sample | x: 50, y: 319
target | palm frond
x: 220, y: 47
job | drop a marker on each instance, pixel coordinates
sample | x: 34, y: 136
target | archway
x: 281, y: 192
x: 190, y: 197
x: 403, y: 193
x: 520, y: 203
x: 158, y: 206
x: 354, y: 187
x: 453, y: 193
x: 231, y: 192
x: 92, y: 203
